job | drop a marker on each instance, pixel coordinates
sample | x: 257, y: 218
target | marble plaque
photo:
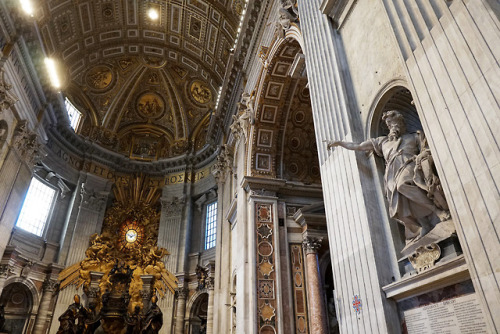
x: 462, y: 315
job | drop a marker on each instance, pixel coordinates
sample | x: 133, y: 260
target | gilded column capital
x: 311, y: 244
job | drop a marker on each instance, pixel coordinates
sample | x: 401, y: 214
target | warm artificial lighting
x: 51, y: 68
x: 27, y: 7
x: 153, y: 14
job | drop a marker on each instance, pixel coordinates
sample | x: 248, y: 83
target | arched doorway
x: 18, y: 303
x: 198, y: 315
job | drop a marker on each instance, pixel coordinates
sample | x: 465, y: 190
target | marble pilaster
x: 41, y: 322
x: 182, y: 294
x: 210, y: 310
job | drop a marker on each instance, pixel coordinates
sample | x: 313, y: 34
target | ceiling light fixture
x: 153, y: 14
x: 51, y: 69
x: 27, y: 7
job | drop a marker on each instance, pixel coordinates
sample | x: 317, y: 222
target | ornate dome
x: 146, y: 87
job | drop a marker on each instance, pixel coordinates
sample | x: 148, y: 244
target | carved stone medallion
x: 200, y: 92
x: 150, y: 105
x: 99, y: 77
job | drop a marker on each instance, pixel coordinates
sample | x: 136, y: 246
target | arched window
x: 37, y: 207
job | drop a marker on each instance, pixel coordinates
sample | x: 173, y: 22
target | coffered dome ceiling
x: 146, y: 87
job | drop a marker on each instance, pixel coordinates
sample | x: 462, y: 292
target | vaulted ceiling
x: 146, y: 87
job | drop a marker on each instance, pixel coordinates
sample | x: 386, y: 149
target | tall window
x: 74, y: 114
x: 36, y: 207
x: 211, y: 225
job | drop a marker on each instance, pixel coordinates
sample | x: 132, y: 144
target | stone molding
x: 311, y: 244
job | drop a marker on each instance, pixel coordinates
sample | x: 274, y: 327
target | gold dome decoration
x: 200, y: 92
x: 150, y: 105
x: 99, y: 77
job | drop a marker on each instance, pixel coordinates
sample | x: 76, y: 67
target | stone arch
x: 197, y: 310
x: 20, y: 299
x: 282, y: 143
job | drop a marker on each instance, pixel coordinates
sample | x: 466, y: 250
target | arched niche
x: 17, y: 300
x: 197, y: 310
x: 394, y: 96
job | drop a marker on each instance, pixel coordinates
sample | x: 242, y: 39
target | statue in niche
x: 411, y: 185
x: 153, y: 318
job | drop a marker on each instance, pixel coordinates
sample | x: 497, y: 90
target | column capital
x: 173, y: 206
x: 6, y: 270
x: 92, y: 200
x: 7, y: 99
x: 223, y: 164
x: 181, y: 293
x: 311, y: 244
x: 50, y: 285
x: 25, y: 143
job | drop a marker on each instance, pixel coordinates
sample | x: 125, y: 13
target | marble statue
x: 412, y: 188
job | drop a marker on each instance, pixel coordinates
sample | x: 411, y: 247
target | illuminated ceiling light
x: 153, y: 14
x: 27, y: 7
x: 51, y: 69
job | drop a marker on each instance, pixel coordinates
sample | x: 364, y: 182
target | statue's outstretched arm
x: 364, y: 146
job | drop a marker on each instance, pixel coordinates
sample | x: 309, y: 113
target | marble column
x: 210, y: 310
x: 41, y: 321
x: 182, y: 294
x: 316, y: 305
